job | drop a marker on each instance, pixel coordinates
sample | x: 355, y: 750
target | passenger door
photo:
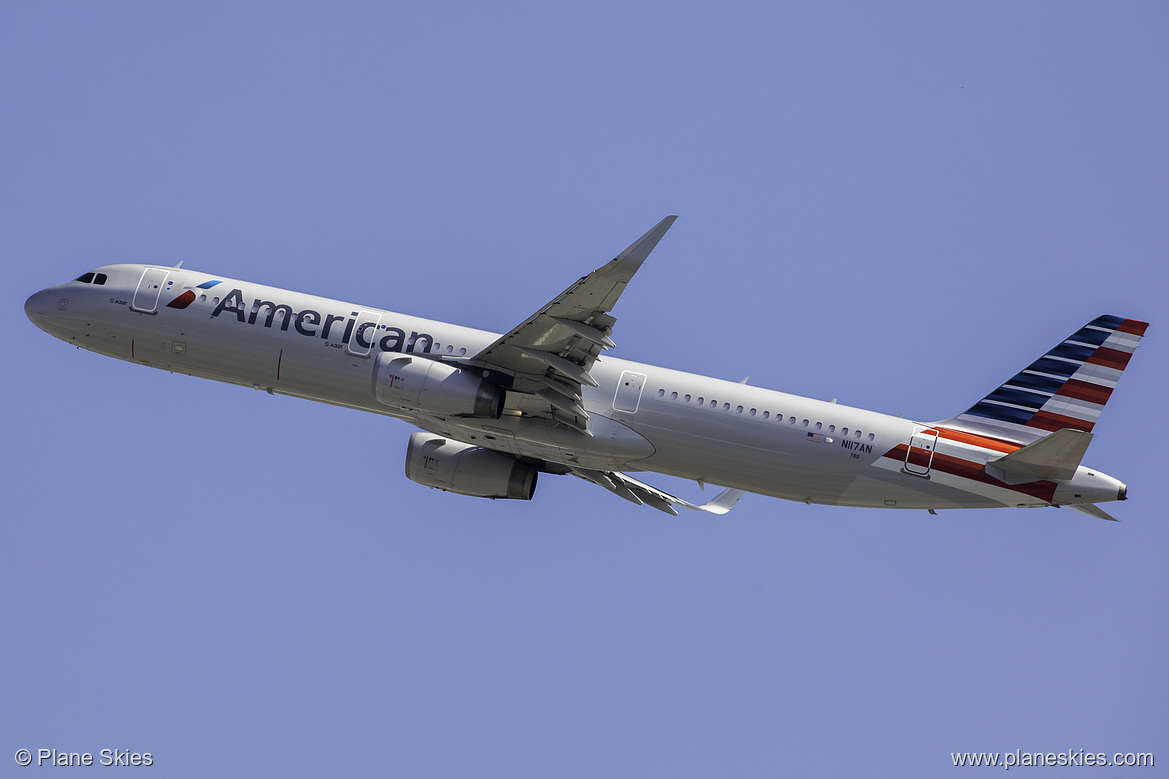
x: 149, y: 288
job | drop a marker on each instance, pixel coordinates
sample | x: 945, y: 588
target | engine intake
x: 433, y: 387
x: 443, y: 464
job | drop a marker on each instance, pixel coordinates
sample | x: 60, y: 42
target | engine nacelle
x: 439, y: 462
x: 433, y: 387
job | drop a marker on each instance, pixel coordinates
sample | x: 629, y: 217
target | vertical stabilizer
x: 1064, y: 389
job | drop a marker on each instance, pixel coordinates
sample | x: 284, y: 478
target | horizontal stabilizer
x: 1055, y: 457
x: 1092, y: 510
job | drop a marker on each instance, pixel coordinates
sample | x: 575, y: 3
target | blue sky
x: 898, y: 206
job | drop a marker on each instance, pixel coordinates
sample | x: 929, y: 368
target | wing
x: 641, y: 493
x: 550, y: 354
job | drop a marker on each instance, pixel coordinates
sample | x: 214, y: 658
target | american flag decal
x: 816, y: 438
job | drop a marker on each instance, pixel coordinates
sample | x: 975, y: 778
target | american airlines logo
x: 314, y: 324
x: 188, y: 297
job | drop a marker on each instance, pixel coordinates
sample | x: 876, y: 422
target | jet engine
x: 448, y: 465
x: 433, y: 387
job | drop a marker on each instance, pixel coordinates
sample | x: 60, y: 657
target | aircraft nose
x: 34, y: 305
x: 40, y: 304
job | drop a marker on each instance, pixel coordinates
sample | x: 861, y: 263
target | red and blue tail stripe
x: 1065, y: 388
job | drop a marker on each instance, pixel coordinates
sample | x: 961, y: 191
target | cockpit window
x: 100, y: 278
x: 86, y: 278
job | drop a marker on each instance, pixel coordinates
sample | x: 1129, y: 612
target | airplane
x: 495, y: 411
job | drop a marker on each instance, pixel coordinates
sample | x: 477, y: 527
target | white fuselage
x: 642, y: 418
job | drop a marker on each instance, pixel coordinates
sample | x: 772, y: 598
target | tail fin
x: 1065, y: 388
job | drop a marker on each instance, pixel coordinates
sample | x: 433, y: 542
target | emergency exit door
x: 628, y: 395
x: 920, y: 456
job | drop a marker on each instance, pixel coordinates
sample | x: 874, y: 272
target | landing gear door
x: 364, y: 334
x: 149, y: 288
x: 628, y: 396
x: 920, y: 456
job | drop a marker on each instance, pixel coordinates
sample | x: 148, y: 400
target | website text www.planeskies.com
x: 1070, y: 757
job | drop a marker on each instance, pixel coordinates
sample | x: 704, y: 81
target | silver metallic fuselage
x: 744, y: 437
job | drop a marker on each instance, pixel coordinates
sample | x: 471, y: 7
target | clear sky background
x: 898, y: 205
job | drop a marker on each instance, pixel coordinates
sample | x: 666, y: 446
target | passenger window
x: 832, y: 428
x: 765, y: 414
x: 739, y: 410
x: 661, y: 393
x: 202, y: 298
x: 805, y: 423
x: 699, y: 401
x: 857, y: 434
x: 673, y: 396
x: 86, y: 278
x: 726, y: 406
x: 687, y: 398
x: 100, y: 278
x: 792, y: 421
x: 713, y: 403
x: 844, y: 431
x: 752, y: 412
x: 871, y: 436
x: 818, y: 425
